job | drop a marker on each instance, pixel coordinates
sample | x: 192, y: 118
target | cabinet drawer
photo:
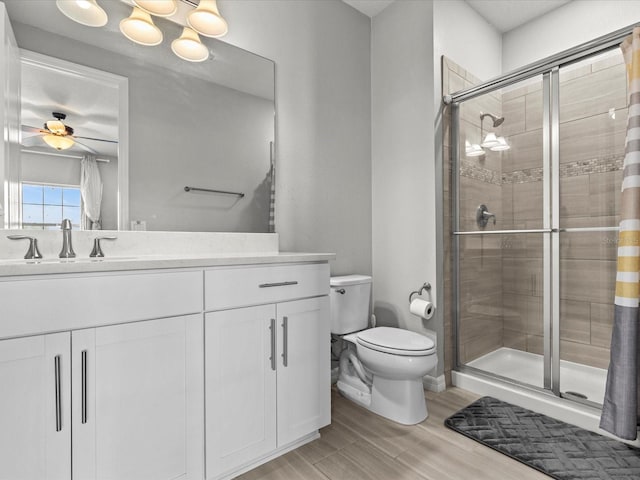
x: 241, y: 286
x: 66, y: 302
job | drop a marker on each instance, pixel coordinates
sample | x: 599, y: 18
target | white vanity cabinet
x: 127, y: 375
x: 267, y: 367
x: 122, y: 401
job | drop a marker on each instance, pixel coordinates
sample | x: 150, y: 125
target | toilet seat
x: 396, y: 341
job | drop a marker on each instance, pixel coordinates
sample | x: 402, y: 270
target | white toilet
x: 381, y: 368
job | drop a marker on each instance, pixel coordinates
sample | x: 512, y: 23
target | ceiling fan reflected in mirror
x: 60, y: 136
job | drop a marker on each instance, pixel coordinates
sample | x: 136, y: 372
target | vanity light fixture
x: 59, y: 142
x: 189, y: 47
x: 489, y: 141
x: 501, y: 145
x: 159, y: 8
x: 85, y: 12
x: 139, y: 27
x: 472, y: 150
x: 204, y: 19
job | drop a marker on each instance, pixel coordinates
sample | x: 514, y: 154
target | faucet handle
x: 97, y: 249
x: 32, y: 251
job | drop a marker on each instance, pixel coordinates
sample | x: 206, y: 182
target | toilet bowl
x: 380, y: 368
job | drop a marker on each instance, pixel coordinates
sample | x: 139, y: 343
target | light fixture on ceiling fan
x: 60, y: 136
x: 204, y: 19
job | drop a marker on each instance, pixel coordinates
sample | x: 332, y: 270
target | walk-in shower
x: 532, y: 279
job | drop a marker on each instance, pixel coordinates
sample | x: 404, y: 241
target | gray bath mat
x: 555, y: 448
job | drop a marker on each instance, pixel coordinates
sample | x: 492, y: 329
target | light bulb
x: 56, y: 126
x: 159, y: 8
x: 489, y: 141
x: 59, y: 142
x: 139, y: 27
x: 85, y: 12
x: 501, y: 145
x: 206, y: 19
x: 189, y: 47
x: 474, y: 150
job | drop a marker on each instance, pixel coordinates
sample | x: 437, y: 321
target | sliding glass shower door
x: 592, y: 128
x: 499, y: 232
x: 536, y: 181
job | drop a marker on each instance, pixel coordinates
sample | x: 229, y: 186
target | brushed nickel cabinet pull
x: 272, y: 327
x: 285, y: 341
x: 56, y: 364
x: 84, y: 386
x: 277, y: 284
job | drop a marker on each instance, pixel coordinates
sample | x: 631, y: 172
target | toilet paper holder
x: 425, y: 287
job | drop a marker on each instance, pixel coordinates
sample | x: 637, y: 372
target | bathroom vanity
x: 161, y: 367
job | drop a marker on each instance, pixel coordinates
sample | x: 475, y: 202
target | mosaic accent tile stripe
x: 471, y: 169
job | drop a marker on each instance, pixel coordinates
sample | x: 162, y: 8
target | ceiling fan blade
x: 32, y: 141
x: 96, y: 139
x: 28, y: 129
x: 86, y: 147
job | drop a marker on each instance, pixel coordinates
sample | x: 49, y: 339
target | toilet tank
x: 350, y: 298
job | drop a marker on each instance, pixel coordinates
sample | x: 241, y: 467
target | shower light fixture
x: 205, y: 19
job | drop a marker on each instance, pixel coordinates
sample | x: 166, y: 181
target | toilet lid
x: 396, y: 341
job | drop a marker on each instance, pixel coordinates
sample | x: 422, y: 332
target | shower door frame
x: 549, y: 68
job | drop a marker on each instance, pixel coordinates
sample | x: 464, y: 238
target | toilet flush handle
x: 341, y: 291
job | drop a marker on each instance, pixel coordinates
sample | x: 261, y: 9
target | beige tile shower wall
x: 592, y: 130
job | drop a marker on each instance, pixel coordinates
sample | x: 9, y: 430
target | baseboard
x: 434, y: 384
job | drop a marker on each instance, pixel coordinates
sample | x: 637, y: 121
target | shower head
x: 497, y: 121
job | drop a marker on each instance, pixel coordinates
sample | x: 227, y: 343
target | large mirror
x: 150, y: 122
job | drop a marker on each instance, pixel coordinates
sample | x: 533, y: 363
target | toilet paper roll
x: 422, y: 308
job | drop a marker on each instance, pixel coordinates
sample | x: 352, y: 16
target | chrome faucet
x: 67, y: 248
x: 32, y: 252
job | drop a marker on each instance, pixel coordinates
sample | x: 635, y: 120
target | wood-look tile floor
x: 360, y: 445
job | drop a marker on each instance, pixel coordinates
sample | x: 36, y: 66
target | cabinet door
x: 304, y: 368
x: 138, y: 400
x: 35, y: 412
x: 240, y: 387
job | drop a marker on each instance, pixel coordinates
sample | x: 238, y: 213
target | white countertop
x: 48, y: 266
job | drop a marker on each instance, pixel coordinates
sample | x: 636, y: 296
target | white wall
x: 460, y: 33
x: 572, y: 24
x: 404, y: 184
x: 323, y: 90
x: 407, y: 41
